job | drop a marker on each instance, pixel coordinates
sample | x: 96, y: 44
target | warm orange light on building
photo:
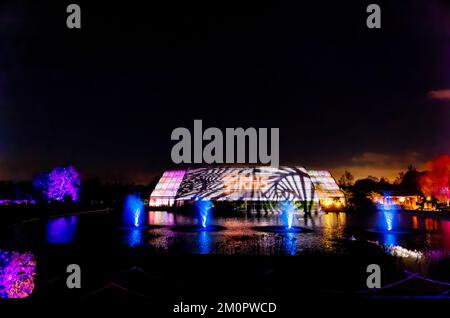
x: 235, y: 183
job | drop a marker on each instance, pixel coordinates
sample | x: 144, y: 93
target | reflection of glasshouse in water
x: 261, y: 184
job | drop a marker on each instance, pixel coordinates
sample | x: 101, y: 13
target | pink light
x: 17, y: 272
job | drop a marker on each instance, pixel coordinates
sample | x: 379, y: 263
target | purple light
x: 62, y: 230
x: 17, y: 271
x: 62, y: 183
x: 16, y: 202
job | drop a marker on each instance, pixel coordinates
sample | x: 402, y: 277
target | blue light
x: 135, y: 237
x: 387, y: 204
x: 204, y: 242
x: 134, y: 211
x: 61, y: 230
x: 287, y: 213
x: 291, y: 243
x: 387, y: 222
x: 203, y: 208
x: 389, y: 219
x: 390, y: 239
x: 388, y: 210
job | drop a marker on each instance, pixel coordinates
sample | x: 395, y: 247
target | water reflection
x: 161, y: 218
x: 415, y: 223
x: 446, y: 235
x: 431, y: 224
x: 61, y: 230
x: 389, y: 239
x: 204, y: 242
x: 291, y: 243
x: 332, y: 226
x: 330, y: 232
x: 135, y: 237
x: 245, y: 234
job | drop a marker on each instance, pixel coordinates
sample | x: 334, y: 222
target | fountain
x: 287, y: 208
x: 287, y: 213
x: 387, y: 226
x: 134, y: 211
x: 203, y: 208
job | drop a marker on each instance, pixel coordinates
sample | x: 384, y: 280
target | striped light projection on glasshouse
x: 260, y: 184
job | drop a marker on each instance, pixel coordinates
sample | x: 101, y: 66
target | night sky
x: 106, y: 98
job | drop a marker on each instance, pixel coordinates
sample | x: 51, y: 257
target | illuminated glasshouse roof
x: 245, y: 184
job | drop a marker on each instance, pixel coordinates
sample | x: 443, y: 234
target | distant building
x: 404, y: 201
x: 315, y: 189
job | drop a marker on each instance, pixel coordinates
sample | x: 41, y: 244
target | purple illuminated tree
x: 60, y: 184
x: 17, y: 272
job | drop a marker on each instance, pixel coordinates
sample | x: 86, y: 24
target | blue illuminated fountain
x: 287, y: 213
x: 203, y: 209
x: 388, y: 227
x: 288, y: 210
x: 386, y: 221
x: 134, y: 212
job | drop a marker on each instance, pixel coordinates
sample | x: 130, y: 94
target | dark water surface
x: 170, y: 255
x: 170, y: 233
